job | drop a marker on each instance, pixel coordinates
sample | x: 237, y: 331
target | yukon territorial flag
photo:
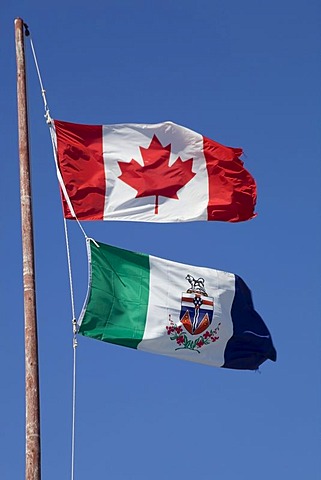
x: 183, y: 311
x: 150, y: 173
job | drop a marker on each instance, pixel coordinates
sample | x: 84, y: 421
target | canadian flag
x: 152, y: 173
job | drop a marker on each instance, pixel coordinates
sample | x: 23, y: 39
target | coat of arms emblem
x: 196, y: 307
x: 196, y: 316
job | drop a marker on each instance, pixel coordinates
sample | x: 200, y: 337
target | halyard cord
x: 60, y: 179
x: 74, y: 321
x: 82, y: 313
x: 52, y: 135
x: 43, y: 91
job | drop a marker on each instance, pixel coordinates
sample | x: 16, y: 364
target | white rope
x: 74, y: 320
x: 73, y: 402
x: 74, y: 345
x: 69, y: 271
x: 54, y: 139
x: 60, y: 179
x: 58, y: 173
x: 43, y: 91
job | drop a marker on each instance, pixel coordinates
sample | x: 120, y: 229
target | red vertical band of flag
x: 232, y: 189
x: 80, y: 153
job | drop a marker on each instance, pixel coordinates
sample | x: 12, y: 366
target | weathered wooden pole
x: 33, y: 465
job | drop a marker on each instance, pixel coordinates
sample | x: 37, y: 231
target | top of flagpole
x: 20, y: 24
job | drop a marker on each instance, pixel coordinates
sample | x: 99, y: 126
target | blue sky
x: 246, y: 74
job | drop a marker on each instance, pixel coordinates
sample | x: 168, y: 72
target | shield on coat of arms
x: 196, y: 307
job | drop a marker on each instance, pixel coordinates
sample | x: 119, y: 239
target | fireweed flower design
x: 176, y: 333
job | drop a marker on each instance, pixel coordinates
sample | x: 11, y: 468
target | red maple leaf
x: 156, y: 177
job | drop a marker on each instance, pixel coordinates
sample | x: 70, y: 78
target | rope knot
x: 74, y: 326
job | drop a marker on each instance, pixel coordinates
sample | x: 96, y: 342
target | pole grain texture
x: 33, y: 461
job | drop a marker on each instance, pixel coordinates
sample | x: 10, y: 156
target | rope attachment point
x: 27, y: 33
x: 43, y: 91
x: 75, y: 331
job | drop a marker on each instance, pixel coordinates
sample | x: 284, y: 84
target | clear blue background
x: 246, y: 74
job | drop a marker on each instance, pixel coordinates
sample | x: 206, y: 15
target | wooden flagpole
x: 33, y: 465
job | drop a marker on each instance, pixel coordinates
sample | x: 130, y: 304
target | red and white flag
x: 151, y: 173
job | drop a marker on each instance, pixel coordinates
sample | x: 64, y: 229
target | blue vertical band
x: 251, y: 343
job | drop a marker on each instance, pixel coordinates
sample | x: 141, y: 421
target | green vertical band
x: 116, y: 310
